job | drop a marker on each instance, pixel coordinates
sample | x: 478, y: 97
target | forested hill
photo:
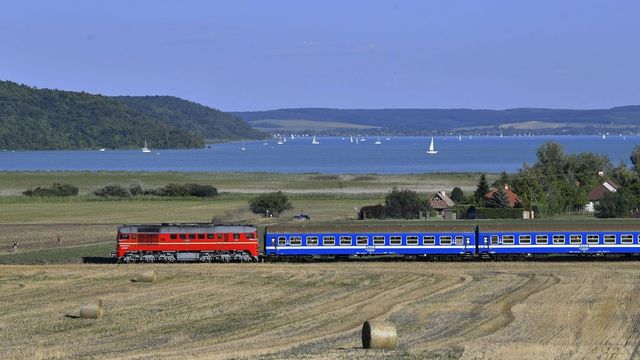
x: 427, y: 120
x: 210, y: 123
x: 32, y: 119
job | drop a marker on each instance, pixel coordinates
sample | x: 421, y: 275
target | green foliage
x: 559, y: 182
x: 372, y: 212
x: 499, y: 199
x: 210, y: 123
x: 635, y: 158
x: 56, y: 189
x: 481, y: 190
x: 502, y: 181
x: 498, y: 213
x: 184, y: 190
x: 270, y: 204
x: 112, y: 191
x: 35, y: 119
x: 405, y: 204
x: 457, y: 195
x: 617, y: 204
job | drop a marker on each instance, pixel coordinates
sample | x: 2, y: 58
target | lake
x: 333, y: 155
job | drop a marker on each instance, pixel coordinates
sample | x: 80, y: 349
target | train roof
x: 311, y: 229
x: 564, y: 227
x: 186, y: 228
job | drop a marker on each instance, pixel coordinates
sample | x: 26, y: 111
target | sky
x: 260, y: 55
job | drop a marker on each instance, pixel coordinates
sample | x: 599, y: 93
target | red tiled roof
x: 440, y: 201
x: 514, y: 199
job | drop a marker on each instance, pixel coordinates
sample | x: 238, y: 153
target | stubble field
x: 479, y: 310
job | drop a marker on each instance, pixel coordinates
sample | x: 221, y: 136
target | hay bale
x: 92, y: 309
x: 379, y: 335
x: 146, y: 276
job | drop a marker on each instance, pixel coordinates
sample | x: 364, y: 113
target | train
x: 241, y: 243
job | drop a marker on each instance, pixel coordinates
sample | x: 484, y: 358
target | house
x: 440, y: 202
x: 598, y: 193
x: 514, y: 200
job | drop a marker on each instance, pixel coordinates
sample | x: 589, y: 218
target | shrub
x: 372, y: 212
x: 135, y: 188
x: 406, y: 204
x: 200, y: 190
x: 498, y: 213
x: 271, y: 203
x: 56, y: 189
x: 184, y: 190
x: 112, y: 190
x: 457, y: 195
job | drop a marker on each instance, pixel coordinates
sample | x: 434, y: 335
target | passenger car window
x: 173, y: 236
x: 395, y: 240
x: 494, y: 239
x: 345, y: 240
x: 312, y: 240
x: 575, y: 239
x: 329, y: 240
x: 445, y: 240
x: 593, y: 239
x: 558, y: 239
x: 542, y: 239
x: 378, y: 240
x: 429, y: 240
x: 459, y: 240
x: 412, y: 240
x: 626, y: 239
x: 508, y: 239
x: 282, y: 240
x: 295, y: 240
x: 524, y: 239
x: 362, y: 240
x: 609, y: 239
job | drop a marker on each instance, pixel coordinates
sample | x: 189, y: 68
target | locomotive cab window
x: 575, y: 239
x: 192, y: 236
x: 558, y: 239
x: 345, y: 240
x: 329, y: 240
x: 593, y: 239
x: 609, y: 239
x: 524, y: 239
x: 173, y: 236
x: 124, y: 236
x: 429, y: 240
x: 362, y: 240
x: 542, y: 239
x: 395, y: 240
x: 220, y: 236
x: 508, y: 239
x: 250, y: 235
x: 378, y: 240
x: 295, y: 240
x: 236, y: 237
x: 183, y: 236
x: 210, y: 236
x: 200, y: 236
x: 282, y: 241
x: 412, y: 240
x: 626, y: 239
x: 494, y: 239
x: 312, y: 240
x: 445, y: 240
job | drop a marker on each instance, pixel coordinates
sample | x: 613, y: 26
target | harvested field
x: 491, y: 310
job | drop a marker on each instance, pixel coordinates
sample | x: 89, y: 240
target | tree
x: 270, y: 204
x: 502, y: 181
x: 481, y: 190
x: 635, y: 159
x: 616, y: 204
x: 405, y: 204
x: 457, y: 195
x: 112, y: 190
x: 499, y: 199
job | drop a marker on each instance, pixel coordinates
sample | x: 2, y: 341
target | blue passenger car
x: 356, y: 240
x: 562, y: 239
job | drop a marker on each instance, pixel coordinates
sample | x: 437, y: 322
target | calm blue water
x: 333, y: 155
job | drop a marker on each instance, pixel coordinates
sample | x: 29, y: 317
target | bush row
x: 171, y: 190
x: 56, y: 189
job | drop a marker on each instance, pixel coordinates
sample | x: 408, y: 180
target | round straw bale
x: 146, y: 276
x: 379, y: 335
x: 92, y: 309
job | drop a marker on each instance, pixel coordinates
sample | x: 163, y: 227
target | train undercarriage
x: 184, y: 256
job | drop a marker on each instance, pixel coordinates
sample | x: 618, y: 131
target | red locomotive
x: 187, y: 242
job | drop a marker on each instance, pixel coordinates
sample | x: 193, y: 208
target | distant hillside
x: 439, y: 120
x: 33, y: 119
x: 210, y: 123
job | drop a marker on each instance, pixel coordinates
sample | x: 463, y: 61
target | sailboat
x: 604, y: 137
x: 145, y: 149
x: 432, y: 149
x: 356, y: 140
x: 351, y: 139
x: 242, y: 148
x: 291, y: 136
x: 459, y: 137
x: 314, y: 141
x: 378, y: 141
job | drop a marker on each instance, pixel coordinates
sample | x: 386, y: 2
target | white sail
x: 314, y: 141
x: 432, y: 149
x: 378, y: 142
x: 145, y: 149
x: 459, y: 137
x: 351, y: 139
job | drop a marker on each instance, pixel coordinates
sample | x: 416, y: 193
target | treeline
x: 38, y: 119
x: 134, y: 189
